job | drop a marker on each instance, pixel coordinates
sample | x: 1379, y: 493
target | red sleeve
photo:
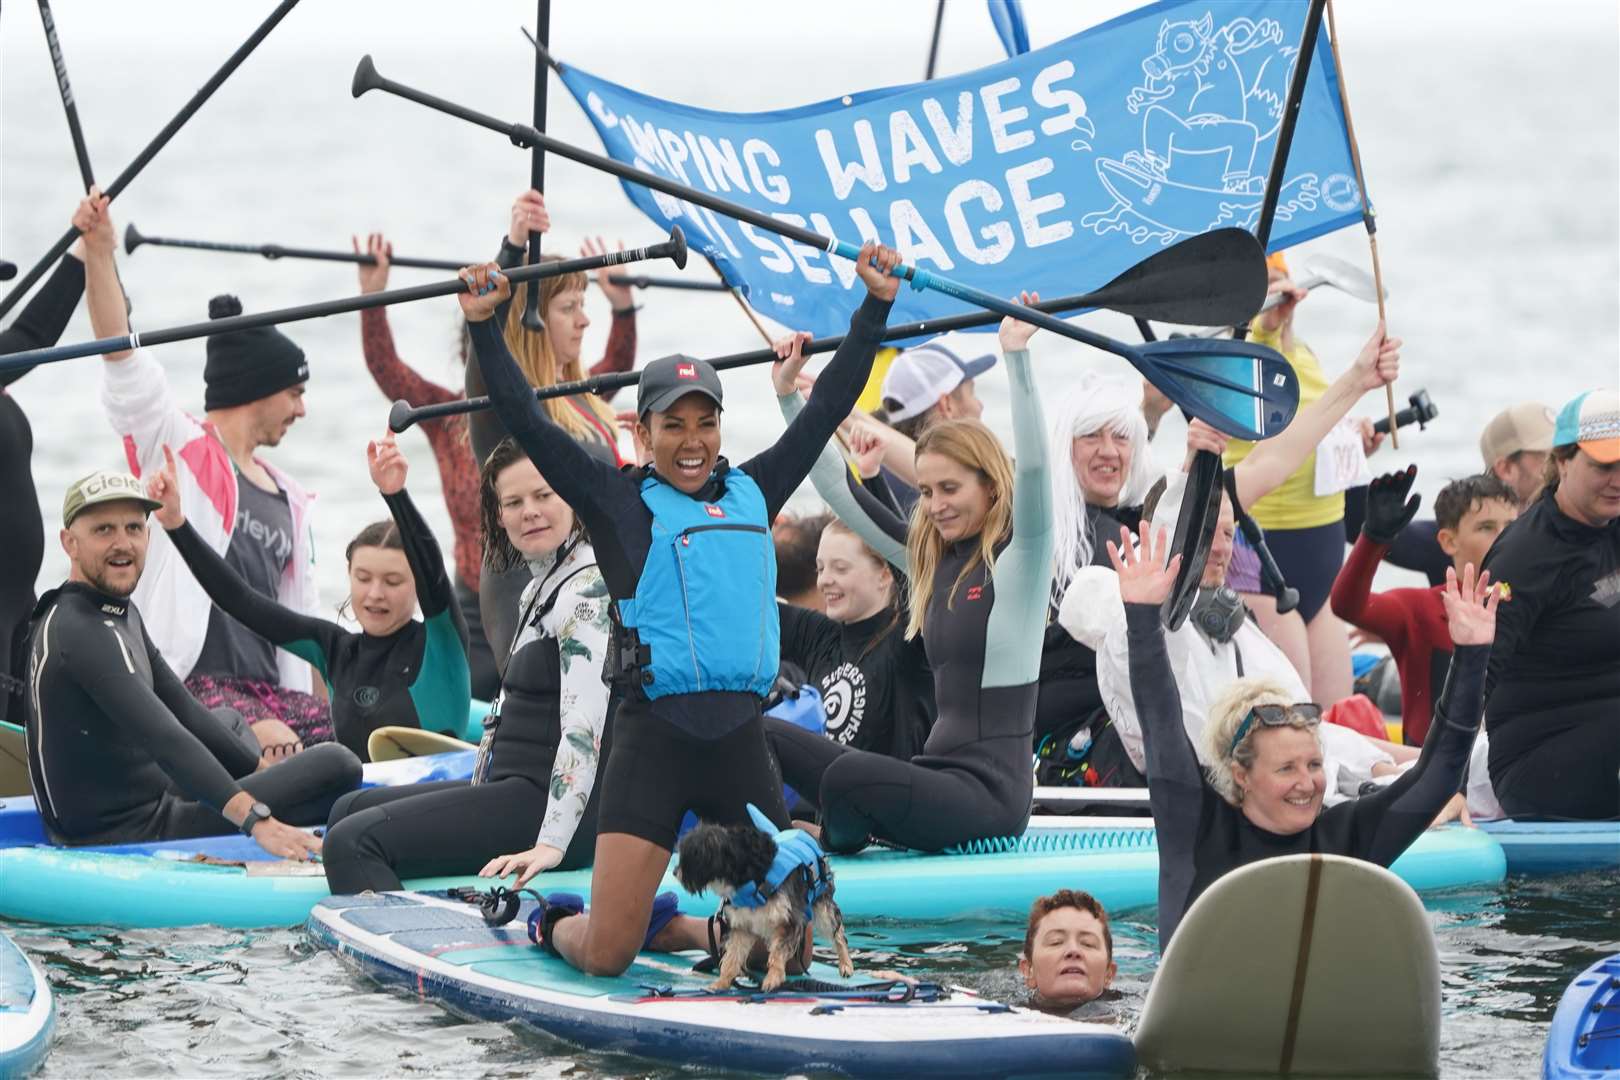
x: 396, y: 380
x: 621, y: 348
x: 1354, y: 601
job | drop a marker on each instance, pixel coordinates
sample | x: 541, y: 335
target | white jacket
x: 142, y: 411
x: 1093, y: 615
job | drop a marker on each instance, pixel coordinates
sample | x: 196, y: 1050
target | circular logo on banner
x: 843, y: 700
x: 1340, y: 192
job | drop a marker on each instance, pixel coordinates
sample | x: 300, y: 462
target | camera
x: 1419, y: 412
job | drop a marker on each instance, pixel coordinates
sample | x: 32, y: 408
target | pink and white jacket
x: 142, y: 410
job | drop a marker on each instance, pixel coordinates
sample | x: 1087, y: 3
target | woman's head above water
x: 1068, y: 956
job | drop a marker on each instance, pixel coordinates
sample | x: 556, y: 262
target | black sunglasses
x: 1275, y: 716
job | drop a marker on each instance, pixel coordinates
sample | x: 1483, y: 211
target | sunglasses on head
x: 1275, y: 716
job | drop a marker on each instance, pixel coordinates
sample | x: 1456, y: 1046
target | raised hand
x: 1144, y: 578
x: 525, y: 864
x: 163, y: 486
x: 1388, y: 509
x: 487, y: 289
x: 528, y: 215
x: 868, y: 447
x: 1282, y: 315
x: 873, y: 265
x: 93, y: 220
x: 1379, y: 362
x: 388, y: 465
x: 617, y: 295
x: 1470, y: 606
x: 1200, y: 436
x: 1014, y: 334
x: 790, y: 361
x: 374, y: 278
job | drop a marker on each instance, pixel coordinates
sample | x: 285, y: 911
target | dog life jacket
x: 704, y: 611
x: 797, y: 852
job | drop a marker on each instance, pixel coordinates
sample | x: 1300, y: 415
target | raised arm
x: 620, y: 354
x: 389, y: 469
x: 830, y: 476
x: 393, y: 376
x: 46, y: 315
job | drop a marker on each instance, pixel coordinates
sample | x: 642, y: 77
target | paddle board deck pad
x: 440, y: 950
x: 1557, y: 847
x: 1583, y: 1042
x: 27, y: 1011
x: 163, y: 884
x: 1305, y: 964
x: 394, y: 743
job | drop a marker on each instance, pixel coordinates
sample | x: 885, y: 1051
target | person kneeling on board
x: 118, y: 750
x: 1262, y: 797
x: 1068, y: 957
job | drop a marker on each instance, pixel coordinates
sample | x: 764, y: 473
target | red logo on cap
x: 713, y: 511
x: 686, y: 371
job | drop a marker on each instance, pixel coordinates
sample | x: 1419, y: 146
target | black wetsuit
x: 22, y: 530
x: 974, y: 777
x: 877, y: 690
x: 415, y: 677
x: 382, y: 835
x: 119, y: 752
x: 702, y: 751
x: 1553, y: 705
x: 1202, y: 836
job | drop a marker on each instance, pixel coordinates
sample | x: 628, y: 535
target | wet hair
x: 1549, y: 474
x: 1066, y: 898
x: 1460, y: 497
x: 1225, y: 715
x: 974, y: 447
x: 499, y: 553
x: 796, y: 541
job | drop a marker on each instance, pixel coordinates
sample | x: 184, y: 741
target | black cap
x: 670, y: 378
x: 246, y: 365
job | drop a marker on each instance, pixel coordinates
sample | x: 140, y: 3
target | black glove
x: 1388, y: 509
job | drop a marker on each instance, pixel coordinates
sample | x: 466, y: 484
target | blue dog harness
x: 796, y: 853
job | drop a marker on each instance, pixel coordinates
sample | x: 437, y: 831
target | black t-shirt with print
x: 260, y: 549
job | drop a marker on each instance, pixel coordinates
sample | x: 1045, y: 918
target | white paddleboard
x: 1307, y: 964
x: 393, y: 743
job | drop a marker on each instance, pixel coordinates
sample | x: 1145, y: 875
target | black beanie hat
x: 246, y: 365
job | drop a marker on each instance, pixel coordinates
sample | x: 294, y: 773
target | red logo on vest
x: 713, y: 511
x: 975, y: 592
x: 686, y: 371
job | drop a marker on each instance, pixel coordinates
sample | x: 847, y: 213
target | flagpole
x: 1368, y: 217
x: 933, y: 46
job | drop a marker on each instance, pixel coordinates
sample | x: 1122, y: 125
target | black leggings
x: 452, y: 827
x: 299, y: 791
x: 863, y: 795
x: 1574, y: 774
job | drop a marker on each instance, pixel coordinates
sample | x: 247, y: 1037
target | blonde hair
x: 1226, y: 713
x: 973, y: 446
x: 539, y: 363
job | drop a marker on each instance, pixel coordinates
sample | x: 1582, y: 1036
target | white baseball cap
x: 920, y: 376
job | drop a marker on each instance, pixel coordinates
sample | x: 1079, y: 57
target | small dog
x: 724, y: 859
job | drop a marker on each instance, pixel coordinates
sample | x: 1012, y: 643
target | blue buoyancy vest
x: 705, y: 605
x: 797, y: 852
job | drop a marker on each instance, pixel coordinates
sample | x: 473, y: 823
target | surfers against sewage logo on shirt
x: 843, y: 699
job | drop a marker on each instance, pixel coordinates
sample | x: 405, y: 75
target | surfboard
x: 1307, y: 964
x: 439, y: 950
x: 27, y: 1011
x: 14, y: 778
x: 393, y: 743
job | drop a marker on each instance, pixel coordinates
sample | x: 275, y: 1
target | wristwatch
x: 256, y: 813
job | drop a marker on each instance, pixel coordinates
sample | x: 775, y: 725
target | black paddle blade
x: 1241, y: 389
x: 400, y: 416
x: 365, y: 77
x: 1214, y: 279
x: 1194, y: 536
x: 677, y: 237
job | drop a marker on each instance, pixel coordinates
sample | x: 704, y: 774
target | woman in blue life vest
x: 684, y: 545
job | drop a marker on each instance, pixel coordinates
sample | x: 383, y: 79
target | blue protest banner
x: 1052, y: 171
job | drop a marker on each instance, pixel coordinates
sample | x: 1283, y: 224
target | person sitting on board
x: 978, y: 553
x: 1068, y: 957
x: 691, y: 736
x: 248, y: 511
x: 395, y: 671
x: 796, y: 540
x: 1553, y: 710
x: 536, y: 767
x: 1263, y: 794
x: 547, y: 357
x: 925, y: 384
x: 118, y: 751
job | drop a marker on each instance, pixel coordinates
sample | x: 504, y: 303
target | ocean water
x: 1489, y: 139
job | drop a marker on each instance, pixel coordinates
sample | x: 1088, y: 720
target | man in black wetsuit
x: 118, y: 751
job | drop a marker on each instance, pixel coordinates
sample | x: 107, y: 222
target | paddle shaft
x: 676, y: 245
x: 532, y: 317
x: 69, y: 106
x: 150, y: 151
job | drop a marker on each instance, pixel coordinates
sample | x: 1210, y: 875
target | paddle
x: 1319, y: 270
x: 532, y: 319
x: 80, y: 151
x: 134, y: 239
x: 646, y: 281
x: 151, y: 149
x: 1243, y: 390
x: 8, y: 270
x: 673, y: 249
x: 403, y: 414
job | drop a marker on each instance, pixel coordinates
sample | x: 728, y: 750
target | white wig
x: 1092, y: 402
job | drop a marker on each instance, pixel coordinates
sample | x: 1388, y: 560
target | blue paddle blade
x: 1241, y: 389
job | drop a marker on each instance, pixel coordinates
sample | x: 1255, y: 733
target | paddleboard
x: 1557, y: 847
x: 394, y: 743
x: 14, y: 778
x: 1306, y: 964
x: 1584, y: 1040
x: 27, y: 1011
x: 440, y: 950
